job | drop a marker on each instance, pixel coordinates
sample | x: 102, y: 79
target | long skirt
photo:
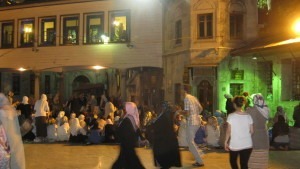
x: 41, y: 126
x: 259, y: 159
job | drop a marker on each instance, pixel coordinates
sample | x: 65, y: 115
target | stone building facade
x: 59, y: 42
x: 198, y: 36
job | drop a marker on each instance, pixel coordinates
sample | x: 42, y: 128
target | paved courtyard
x: 65, y: 156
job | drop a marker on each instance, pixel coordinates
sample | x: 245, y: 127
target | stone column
x: 37, y: 85
x: 123, y: 84
x: 61, y: 87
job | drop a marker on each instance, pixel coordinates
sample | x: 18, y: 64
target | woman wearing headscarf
x: 41, y: 108
x: 11, y: 146
x: 128, y: 137
x: 25, y: 108
x: 165, y: 143
x: 260, y: 114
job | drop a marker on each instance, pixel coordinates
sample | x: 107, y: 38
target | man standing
x: 192, y: 109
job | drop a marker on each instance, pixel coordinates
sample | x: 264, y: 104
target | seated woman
x: 280, y: 134
x: 182, y: 140
x: 200, y: 137
x: 52, y: 130
x: 63, y: 131
x: 77, y: 134
x: 95, y: 136
x: 213, y: 132
x: 109, y: 132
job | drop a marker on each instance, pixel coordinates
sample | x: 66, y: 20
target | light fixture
x: 117, y: 23
x: 296, y: 27
x: 97, y: 67
x: 21, y: 69
x: 105, y: 39
x: 254, y: 58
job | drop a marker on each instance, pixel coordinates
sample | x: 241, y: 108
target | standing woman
x: 260, y: 115
x: 128, y: 136
x: 41, y: 108
x: 11, y: 146
x: 239, y: 130
x: 165, y: 143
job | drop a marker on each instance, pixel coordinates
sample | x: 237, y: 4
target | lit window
x: 27, y: 33
x: 205, y: 26
x: 236, y: 26
x: 94, y: 28
x: 178, y: 32
x: 119, y: 26
x: 7, y: 34
x: 47, y: 31
x: 70, y: 30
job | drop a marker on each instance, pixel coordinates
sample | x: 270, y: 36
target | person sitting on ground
x: 82, y: 123
x: 280, y: 112
x: 59, y: 118
x: 200, y: 137
x: 213, y: 132
x: 182, y: 140
x: 52, y: 130
x: 109, y: 132
x: 280, y: 134
x: 95, y: 136
x: 76, y: 133
x: 63, y: 131
x: 219, y: 115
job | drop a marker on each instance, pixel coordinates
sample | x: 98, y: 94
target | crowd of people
x: 241, y: 130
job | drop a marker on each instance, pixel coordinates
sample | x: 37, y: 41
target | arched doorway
x: 80, y: 81
x: 205, y: 95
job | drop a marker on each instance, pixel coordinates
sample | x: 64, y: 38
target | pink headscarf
x: 132, y: 113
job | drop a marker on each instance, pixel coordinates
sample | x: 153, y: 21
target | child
x: 213, y: 132
x: 52, y: 130
x: 63, y: 130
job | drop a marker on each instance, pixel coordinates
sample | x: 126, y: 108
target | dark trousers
x: 41, y: 126
x: 244, y: 158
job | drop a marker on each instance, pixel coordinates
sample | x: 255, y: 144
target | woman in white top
x: 41, y: 108
x: 239, y: 130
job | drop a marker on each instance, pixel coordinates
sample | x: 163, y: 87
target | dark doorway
x: 205, y: 95
x: 80, y: 81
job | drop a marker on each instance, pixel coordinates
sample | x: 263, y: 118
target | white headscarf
x: 8, y: 117
x: 133, y: 114
x: 25, y: 100
x: 261, y: 105
x: 74, y: 126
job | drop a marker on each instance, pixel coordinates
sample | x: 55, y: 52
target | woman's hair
x: 239, y: 101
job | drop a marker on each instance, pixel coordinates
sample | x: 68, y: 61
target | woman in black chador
x: 128, y: 137
x: 165, y: 143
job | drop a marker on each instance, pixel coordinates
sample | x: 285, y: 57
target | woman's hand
x: 226, y: 147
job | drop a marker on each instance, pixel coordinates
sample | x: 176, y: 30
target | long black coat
x: 128, y: 138
x: 165, y: 143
